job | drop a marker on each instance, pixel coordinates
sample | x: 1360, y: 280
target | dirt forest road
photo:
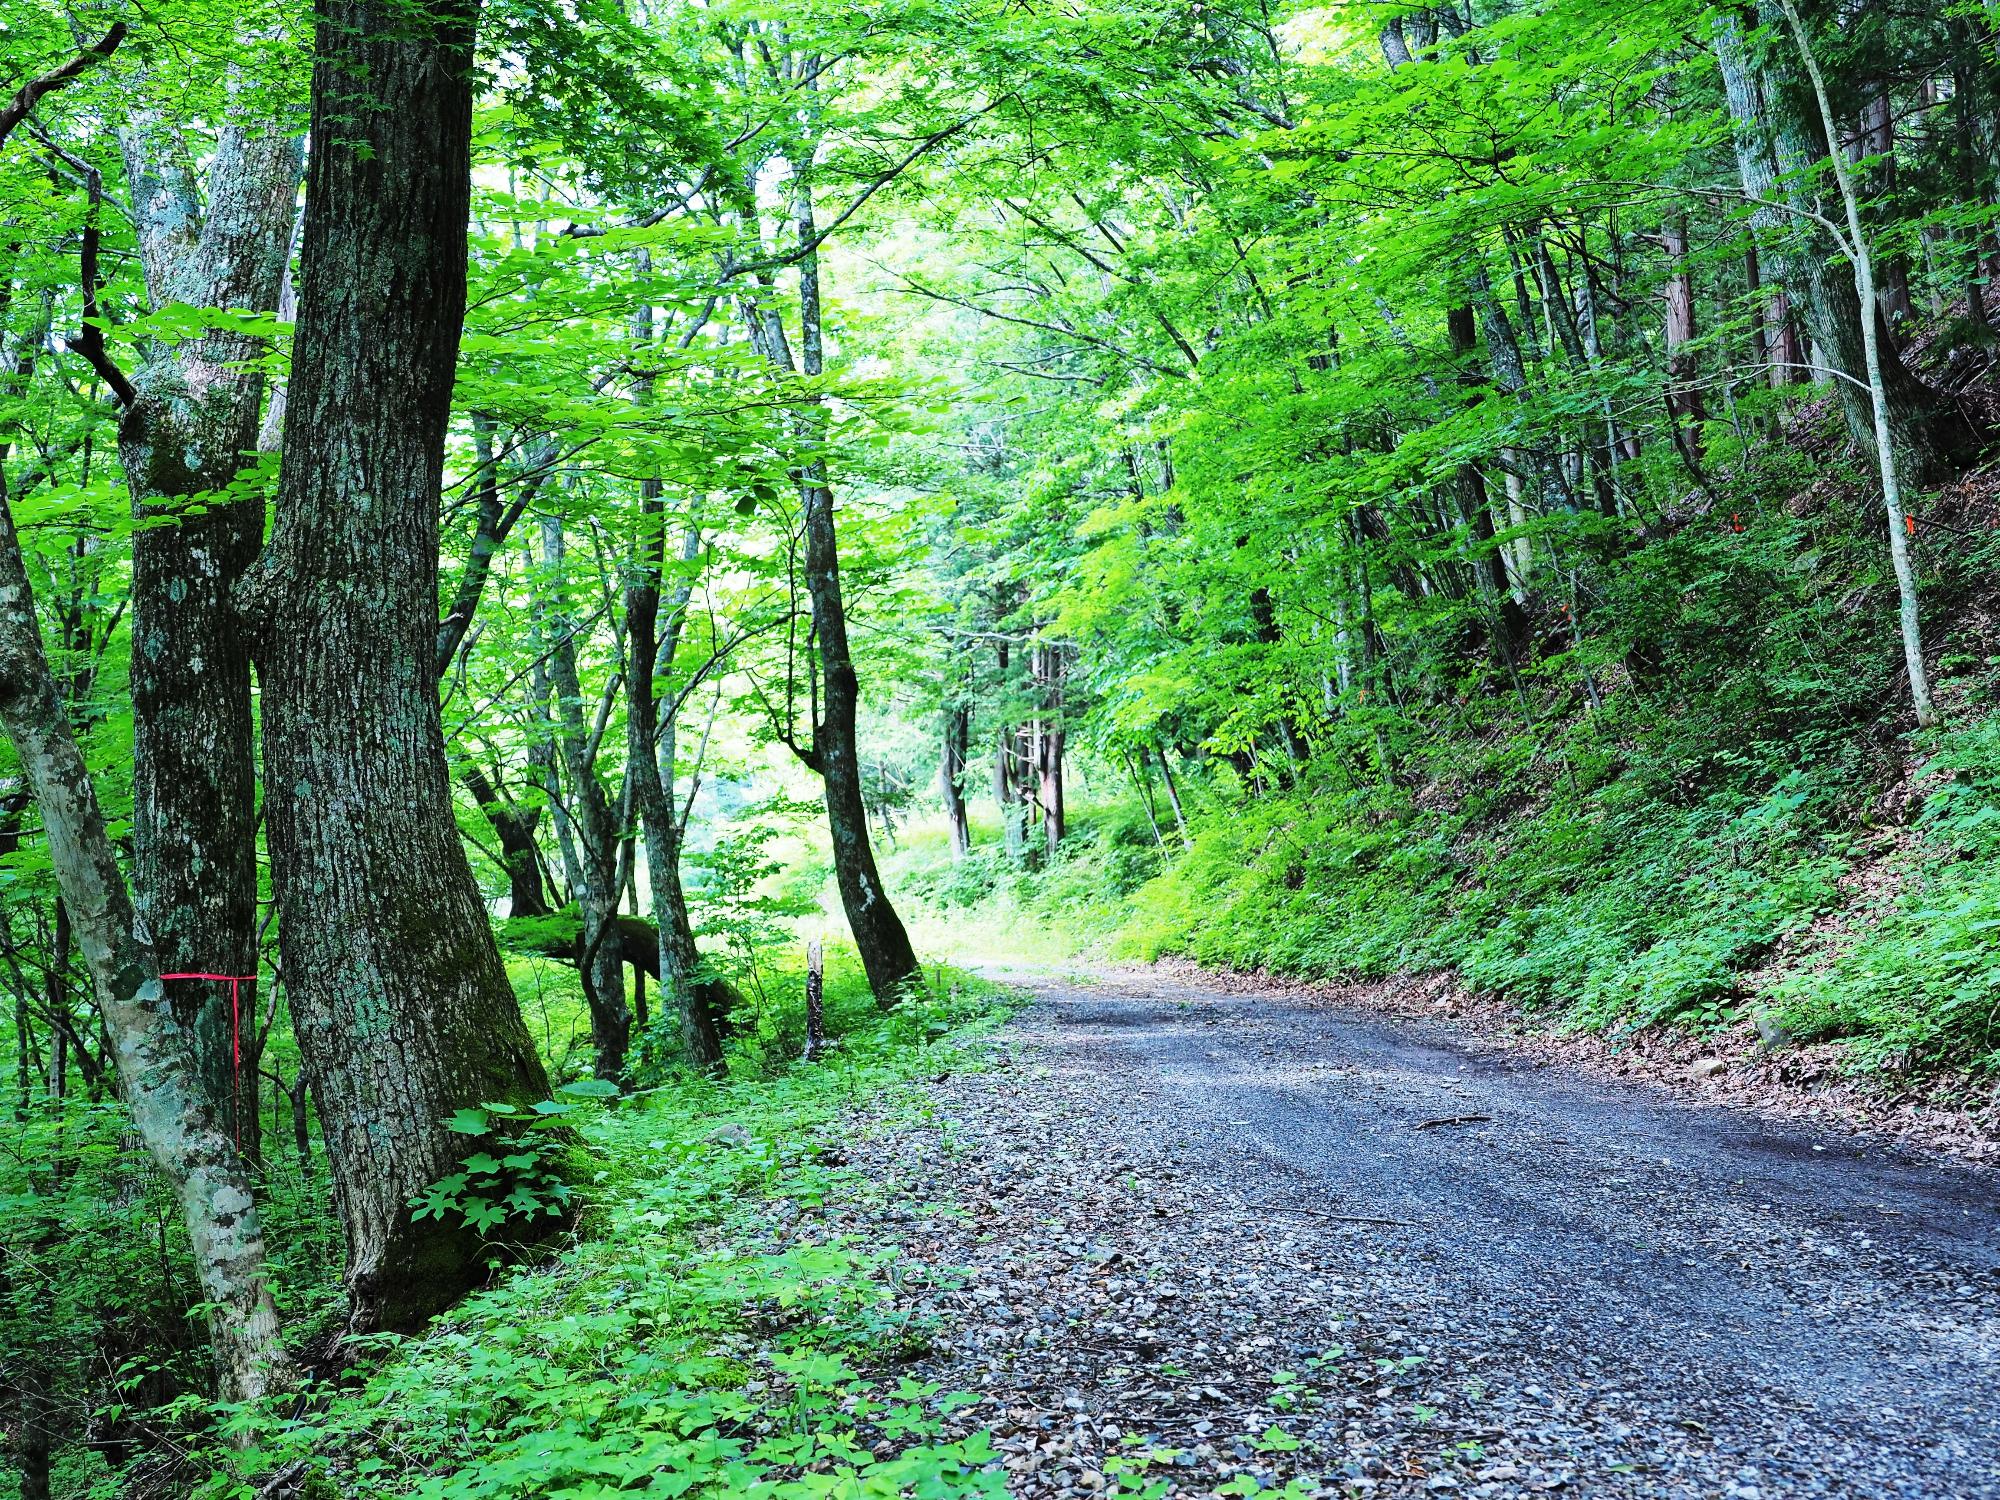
x: 1440, y: 1266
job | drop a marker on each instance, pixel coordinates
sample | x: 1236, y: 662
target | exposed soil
x: 1212, y: 1225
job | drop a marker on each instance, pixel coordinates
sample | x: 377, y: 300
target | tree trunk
x: 1684, y: 401
x: 189, y: 430
x: 1007, y: 788
x: 957, y: 744
x: 1862, y: 259
x: 1774, y: 334
x: 519, y: 855
x: 32, y: 1412
x: 884, y: 945
x: 1050, y: 734
x: 1779, y: 140
x: 592, y: 825
x: 699, y: 998
x: 158, y: 1073
x: 879, y: 935
x: 1174, y: 797
x: 1877, y: 139
x: 399, y: 998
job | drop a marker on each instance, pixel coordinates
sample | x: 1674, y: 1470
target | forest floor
x: 1226, y: 1239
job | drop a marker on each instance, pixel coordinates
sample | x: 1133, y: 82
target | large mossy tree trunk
x: 188, y: 432
x: 399, y: 997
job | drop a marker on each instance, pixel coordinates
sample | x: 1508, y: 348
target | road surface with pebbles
x: 1217, y: 1239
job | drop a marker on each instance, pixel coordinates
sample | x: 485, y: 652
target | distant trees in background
x: 1350, y: 403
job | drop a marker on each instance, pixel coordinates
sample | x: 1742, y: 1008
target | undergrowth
x: 1028, y: 904
x: 703, y: 1337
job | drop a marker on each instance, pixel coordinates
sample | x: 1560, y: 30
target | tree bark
x: 592, y: 826
x: 951, y: 773
x: 1008, y: 791
x: 879, y: 936
x: 1684, y: 401
x: 698, y: 996
x: 1050, y: 733
x: 158, y: 1072
x: 1877, y: 139
x: 1778, y: 142
x: 190, y: 429
x: 1862, y: 259
x: 1174, y: 797
x: 519, y: 854
x: 399, y: 998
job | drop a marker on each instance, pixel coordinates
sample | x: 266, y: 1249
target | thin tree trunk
x: 158, y: 1073
x: 1877, y: 139
x: 951, y: 773
x: 494, y: 522
x: 1140, y: 773
x: 33, y: 1409
x: 1778, y: 145
x: 1863, y: 262
x: 24, y: 1051
x: 592, y: 825
x: 399, y: 998
x: 699, y: 998
x: 1684, y: 401
x: 879, y: 935
x: 1174, y: 797
x: 1773, y: 333
x: 519, y: 855
x: 1007, y: 789
x: 1049, y: 738
x: 1760, y: 333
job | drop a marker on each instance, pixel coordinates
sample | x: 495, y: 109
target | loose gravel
x: 1183, y: 1237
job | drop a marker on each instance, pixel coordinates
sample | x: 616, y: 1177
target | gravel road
x: 1171, y: 1201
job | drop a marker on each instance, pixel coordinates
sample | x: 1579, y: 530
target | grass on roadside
x: 700, y: 1339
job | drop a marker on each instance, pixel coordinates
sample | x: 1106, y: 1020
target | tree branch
x: 31, y: 92
x: 89, y: 342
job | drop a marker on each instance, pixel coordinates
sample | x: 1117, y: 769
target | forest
x: 628, y: 627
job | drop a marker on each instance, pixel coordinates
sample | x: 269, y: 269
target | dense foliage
x: 1420, y: 480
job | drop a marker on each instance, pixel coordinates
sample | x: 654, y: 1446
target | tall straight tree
x: 594, y: 824
x: 398, y: 993
x: 879, y: 935
x: 699, y: 996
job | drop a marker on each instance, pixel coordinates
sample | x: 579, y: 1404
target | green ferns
x: 1919, y: 987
